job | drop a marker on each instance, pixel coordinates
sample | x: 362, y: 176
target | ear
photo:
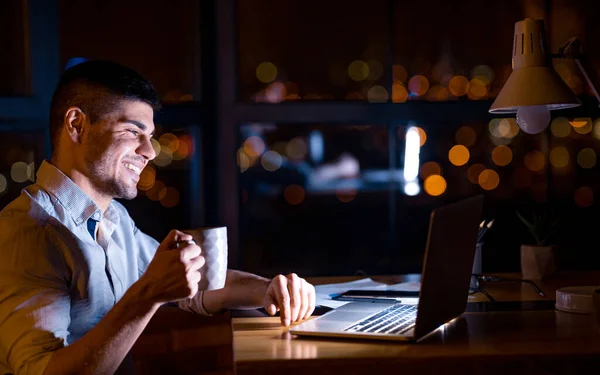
x: 74, y: 123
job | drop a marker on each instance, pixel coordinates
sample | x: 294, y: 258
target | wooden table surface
x: 530, y: 342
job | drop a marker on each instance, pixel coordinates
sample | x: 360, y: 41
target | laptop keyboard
x: 393, y: 320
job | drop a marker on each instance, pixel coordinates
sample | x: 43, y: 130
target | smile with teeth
x: 135, y: 169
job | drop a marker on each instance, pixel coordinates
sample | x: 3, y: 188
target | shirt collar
x: 79, y: 205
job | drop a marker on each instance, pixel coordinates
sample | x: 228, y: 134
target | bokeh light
x: 18, y: 172
x: 147, y: 178
x: 586, y: 158
x: 422, y: 136
x: 483, y: 71
x: 502, y: 155
x: 418, y: 85
x: 596, y: 129
x: 296, y: 149
x: 157, y: 192
x: 399, y: 73
x: 266, y: 72
x: 560, y: 127
x: 399, y: 93
x: 243, y: 160
x: 458, y: 155
x: 474, y: 171
x: 182, y: 150
x: 31, y: 172
x: 584, y: 196
x: 508, y: 128
x: 465, y: 136
x: 375, y: 69
x: 254, y: 146
x: 164, y: 157
x: 534, y: 161
x: 275, y: 92
x: 169, y: 141
x: 489, y: 179
x: 478, y: 88
x: 358, y: 70
x: 582, y: 125
x: 559, y: 157
x: 271, y: 161
x: 155, y: 145
x: 430, y: 168
x: 345, y: 195
x: 294, y: 194
x: 170, y: 197
x: 437, y: 93
x: 435, y: 185
x: 378, y: 94
x: 493, y: 126
x: 458, y: 86
x: 3, y: 183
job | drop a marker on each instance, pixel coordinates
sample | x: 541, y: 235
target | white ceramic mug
x: 213, y: 243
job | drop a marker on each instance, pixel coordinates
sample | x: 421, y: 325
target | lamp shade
x: 533, y: 81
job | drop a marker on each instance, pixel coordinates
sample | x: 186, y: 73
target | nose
x: 145, y: 149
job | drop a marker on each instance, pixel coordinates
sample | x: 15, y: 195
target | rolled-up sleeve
x: 34, y: 299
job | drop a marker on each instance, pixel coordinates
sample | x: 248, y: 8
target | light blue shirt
x: 56, y: 280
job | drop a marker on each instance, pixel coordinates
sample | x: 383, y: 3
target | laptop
x: 445, y: 280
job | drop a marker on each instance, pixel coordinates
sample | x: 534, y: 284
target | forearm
x: 242, y: 291
x: 103, y: 348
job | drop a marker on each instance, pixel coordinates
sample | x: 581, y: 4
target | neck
x: 84, y: 183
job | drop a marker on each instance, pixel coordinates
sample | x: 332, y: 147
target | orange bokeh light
x: 474, y: 171
x: 435, y: 185
x: 458, y: 155
x: 430, y: 168
x: 489, y: 179
x: 294, y: 194
x: 418, y: 85
x: 502, y: 155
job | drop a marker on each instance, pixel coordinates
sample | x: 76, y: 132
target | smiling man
x: 78, y: 280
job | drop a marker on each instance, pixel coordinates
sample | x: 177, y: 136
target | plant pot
x: 537, y: 262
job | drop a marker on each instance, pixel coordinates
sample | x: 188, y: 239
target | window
x: 160, y: 39
x: 14, y: 44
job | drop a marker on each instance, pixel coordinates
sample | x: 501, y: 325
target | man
x: 78, y: 280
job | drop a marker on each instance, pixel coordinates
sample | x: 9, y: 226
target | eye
x: 134, y: 132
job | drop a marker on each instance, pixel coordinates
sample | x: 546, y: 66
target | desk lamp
x: 532, y: 91
x: 534, y: 88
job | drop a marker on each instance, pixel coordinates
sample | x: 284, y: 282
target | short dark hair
x: 97, y: 87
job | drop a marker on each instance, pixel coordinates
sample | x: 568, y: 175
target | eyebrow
x: 139, y: 125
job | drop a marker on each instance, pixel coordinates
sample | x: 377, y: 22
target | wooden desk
x: 522, y: 342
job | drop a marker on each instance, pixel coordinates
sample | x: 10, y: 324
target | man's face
x: 116, y: 149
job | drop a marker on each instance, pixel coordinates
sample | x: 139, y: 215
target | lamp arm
x: 573, y: 49
x: 590, y: 75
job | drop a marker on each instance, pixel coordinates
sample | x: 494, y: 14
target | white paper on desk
x: 324, y: 291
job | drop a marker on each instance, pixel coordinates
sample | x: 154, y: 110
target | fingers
x: 188, y: 252
x: 172, y: 238
x: 294, y: 297
x: 304, y: 295
x: 270, y: 302
x: 312, y: 299
x: 194, y: 278
x: 195, y: 264
x: 282, y: 295
x: 294, y: 287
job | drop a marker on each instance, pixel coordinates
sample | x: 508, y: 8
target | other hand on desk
x: 293, y: 296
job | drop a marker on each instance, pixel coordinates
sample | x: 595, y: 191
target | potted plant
x: 538, y: 259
